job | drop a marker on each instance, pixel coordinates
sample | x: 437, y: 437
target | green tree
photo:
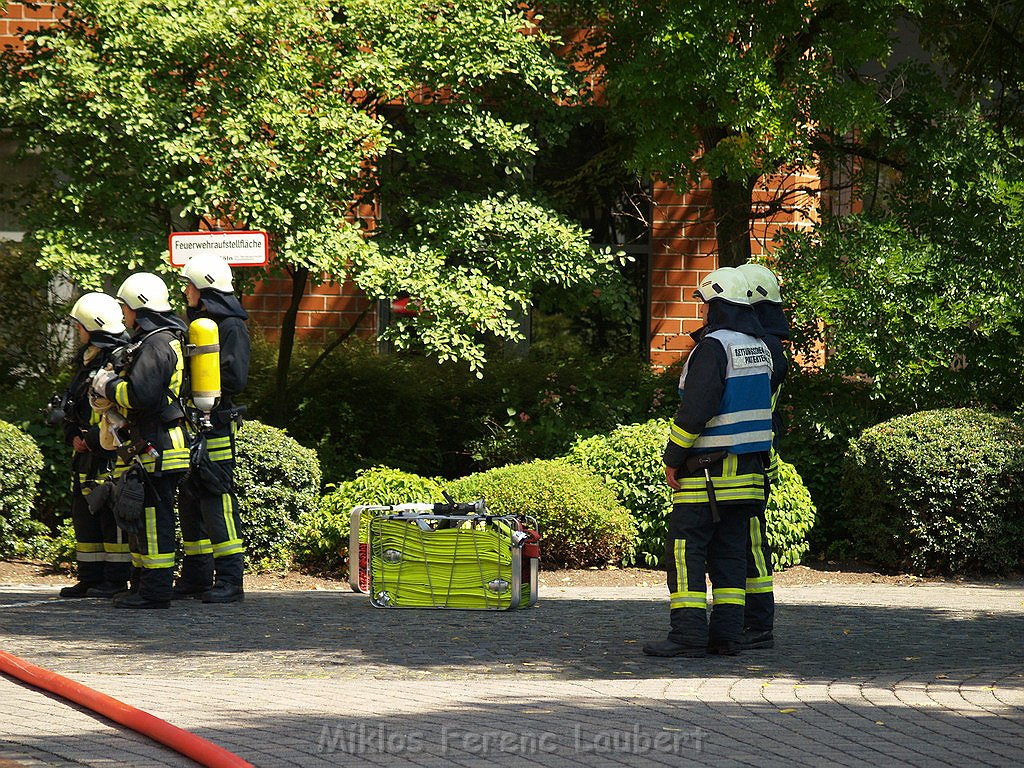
x: 734, y: 90
x: 919, y: 293
x: 285, y: 115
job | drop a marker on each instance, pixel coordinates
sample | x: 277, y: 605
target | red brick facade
x: 684, y: 250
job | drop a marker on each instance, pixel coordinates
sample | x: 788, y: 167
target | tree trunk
x: 287, y: 342
x: 732, y: 201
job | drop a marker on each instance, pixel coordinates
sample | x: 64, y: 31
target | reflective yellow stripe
x: 90, y: 557
x: 688, y: 600
x: 152, y: 547
x: 681, y: 578
x: 201, y: 547
x: 756, y: 544
x: 729, y: 596
x: 219, y: 442
x: 82, y: 546
x: 730, y: 466
x: 231, y: 547
x: 732, y: 481
x: 222, y: 455
x: 760, y: 585
x: 701, y: 497
x: 115, y: 548
x: 177, y: 439
x: 681, y: 437
x: 121, y: 394
x: 227, y: 509
x: 136, y: 559
x: 179, y: 367
x: 158, y: 561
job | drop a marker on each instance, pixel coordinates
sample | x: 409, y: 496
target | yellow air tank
x: 204, y: 362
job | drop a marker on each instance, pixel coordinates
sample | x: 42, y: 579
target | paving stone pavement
x: 923, y: 675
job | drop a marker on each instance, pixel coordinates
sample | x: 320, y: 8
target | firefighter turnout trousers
x: 153, y: 550
x: 211, y: 527
x: 693, y: 540
x: 759, y: 612
x: 101, y: 548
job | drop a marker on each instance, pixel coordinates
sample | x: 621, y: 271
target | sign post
x: 237, y: 248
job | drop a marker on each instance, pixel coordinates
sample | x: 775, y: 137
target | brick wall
x: 325, y: 309
x: 16, y: 17
x: 684, y: 251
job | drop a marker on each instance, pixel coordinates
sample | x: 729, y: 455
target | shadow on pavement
x: 337, y: 635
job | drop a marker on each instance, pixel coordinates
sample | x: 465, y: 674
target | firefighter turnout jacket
x: 725, y: 406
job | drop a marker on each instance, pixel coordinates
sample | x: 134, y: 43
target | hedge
x: 20, y: 464
x: 629, y: 460
x: 322, y: 540
x: 581, y: 522
x: 277, y: 481
x: 939, y: 490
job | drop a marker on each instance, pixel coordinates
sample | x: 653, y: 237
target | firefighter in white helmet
x: 715, y: 463
x: 145, y: 387
x: 208, y: 508
x: 759, y: 610
x: 101, y: 548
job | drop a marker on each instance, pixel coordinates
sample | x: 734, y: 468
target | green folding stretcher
x: 444, y: 556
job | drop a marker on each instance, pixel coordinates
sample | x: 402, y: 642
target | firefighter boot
x: 223, y: 592
x: 757, y: 638
x: 670, y: 648
x: 107, y: 589
x: 136, y: 600
x: 81, y: 589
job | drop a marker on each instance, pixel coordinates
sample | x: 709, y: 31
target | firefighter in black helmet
x: 101, y: 548
x: 144, y: 390
x: 208, y: 509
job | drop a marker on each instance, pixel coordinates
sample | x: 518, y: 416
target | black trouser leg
x: 727, y: 569
x: 117, y: 567
x: 197, y: 565
x: 157, y: 542
x: 89, y: 554
x: 759, y: 613
x: 221, y: 514
x: 689, y: 533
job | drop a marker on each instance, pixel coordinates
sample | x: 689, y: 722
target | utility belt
x: 726, y: 484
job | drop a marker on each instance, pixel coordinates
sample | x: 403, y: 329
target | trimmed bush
x: 581, y: 522
x: 277, y: 481
x: 628, y: 459
x: 938, y: 490
x: 20, y: 464
x: 791, y: 516
x: 322, y: 541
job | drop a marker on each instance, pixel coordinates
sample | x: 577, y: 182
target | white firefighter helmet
x: 144, y: 290
x: 764, y: 284
x: 727, y: 284
x: 98, y: 312
x: 207, y: 270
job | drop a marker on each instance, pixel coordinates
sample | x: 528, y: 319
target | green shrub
x: 790, y: 516
x: 322, y: 541
x: 20, y: 463
x: 628, y: 459
x: 821, y: 414
x: 939, y: 490
x: 277, y: 481
x: 581, y: 522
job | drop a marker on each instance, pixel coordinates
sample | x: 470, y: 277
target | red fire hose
x: 188, y: 744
